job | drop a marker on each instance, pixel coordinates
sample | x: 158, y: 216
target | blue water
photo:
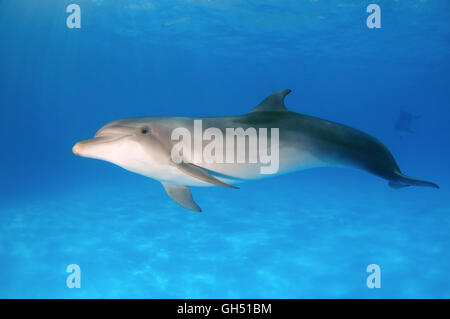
x: 307, y: 234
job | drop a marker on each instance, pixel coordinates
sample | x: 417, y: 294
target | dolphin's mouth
x: 103, y: 139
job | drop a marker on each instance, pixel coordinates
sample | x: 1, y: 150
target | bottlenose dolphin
x: 404, y: 122
x: 144, y: 146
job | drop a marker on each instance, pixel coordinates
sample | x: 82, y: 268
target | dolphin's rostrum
x: 144, y: 146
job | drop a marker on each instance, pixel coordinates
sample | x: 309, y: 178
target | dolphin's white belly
x: 290, y: 159
x: 133, y: 157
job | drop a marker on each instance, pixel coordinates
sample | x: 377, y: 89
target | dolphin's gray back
x: 307, y: 141
x: 332, y: 144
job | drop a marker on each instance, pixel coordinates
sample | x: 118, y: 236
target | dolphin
x: 404, y: 122
x: 145, y: 146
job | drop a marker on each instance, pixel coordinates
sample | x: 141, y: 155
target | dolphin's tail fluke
x: 401, y: 181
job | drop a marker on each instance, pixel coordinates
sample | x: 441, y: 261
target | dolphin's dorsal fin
x: 182, y: 196
x: 273, y: 103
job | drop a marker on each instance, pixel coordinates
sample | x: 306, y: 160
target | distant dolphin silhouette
x: 404, y: 122
x: 144, y: 146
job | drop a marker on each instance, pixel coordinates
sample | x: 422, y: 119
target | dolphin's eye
x: 145, y: 130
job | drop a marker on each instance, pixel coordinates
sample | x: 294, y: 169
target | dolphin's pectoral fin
x: 182, y: 196
x: 201, y: 174
x: 273, y: 103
